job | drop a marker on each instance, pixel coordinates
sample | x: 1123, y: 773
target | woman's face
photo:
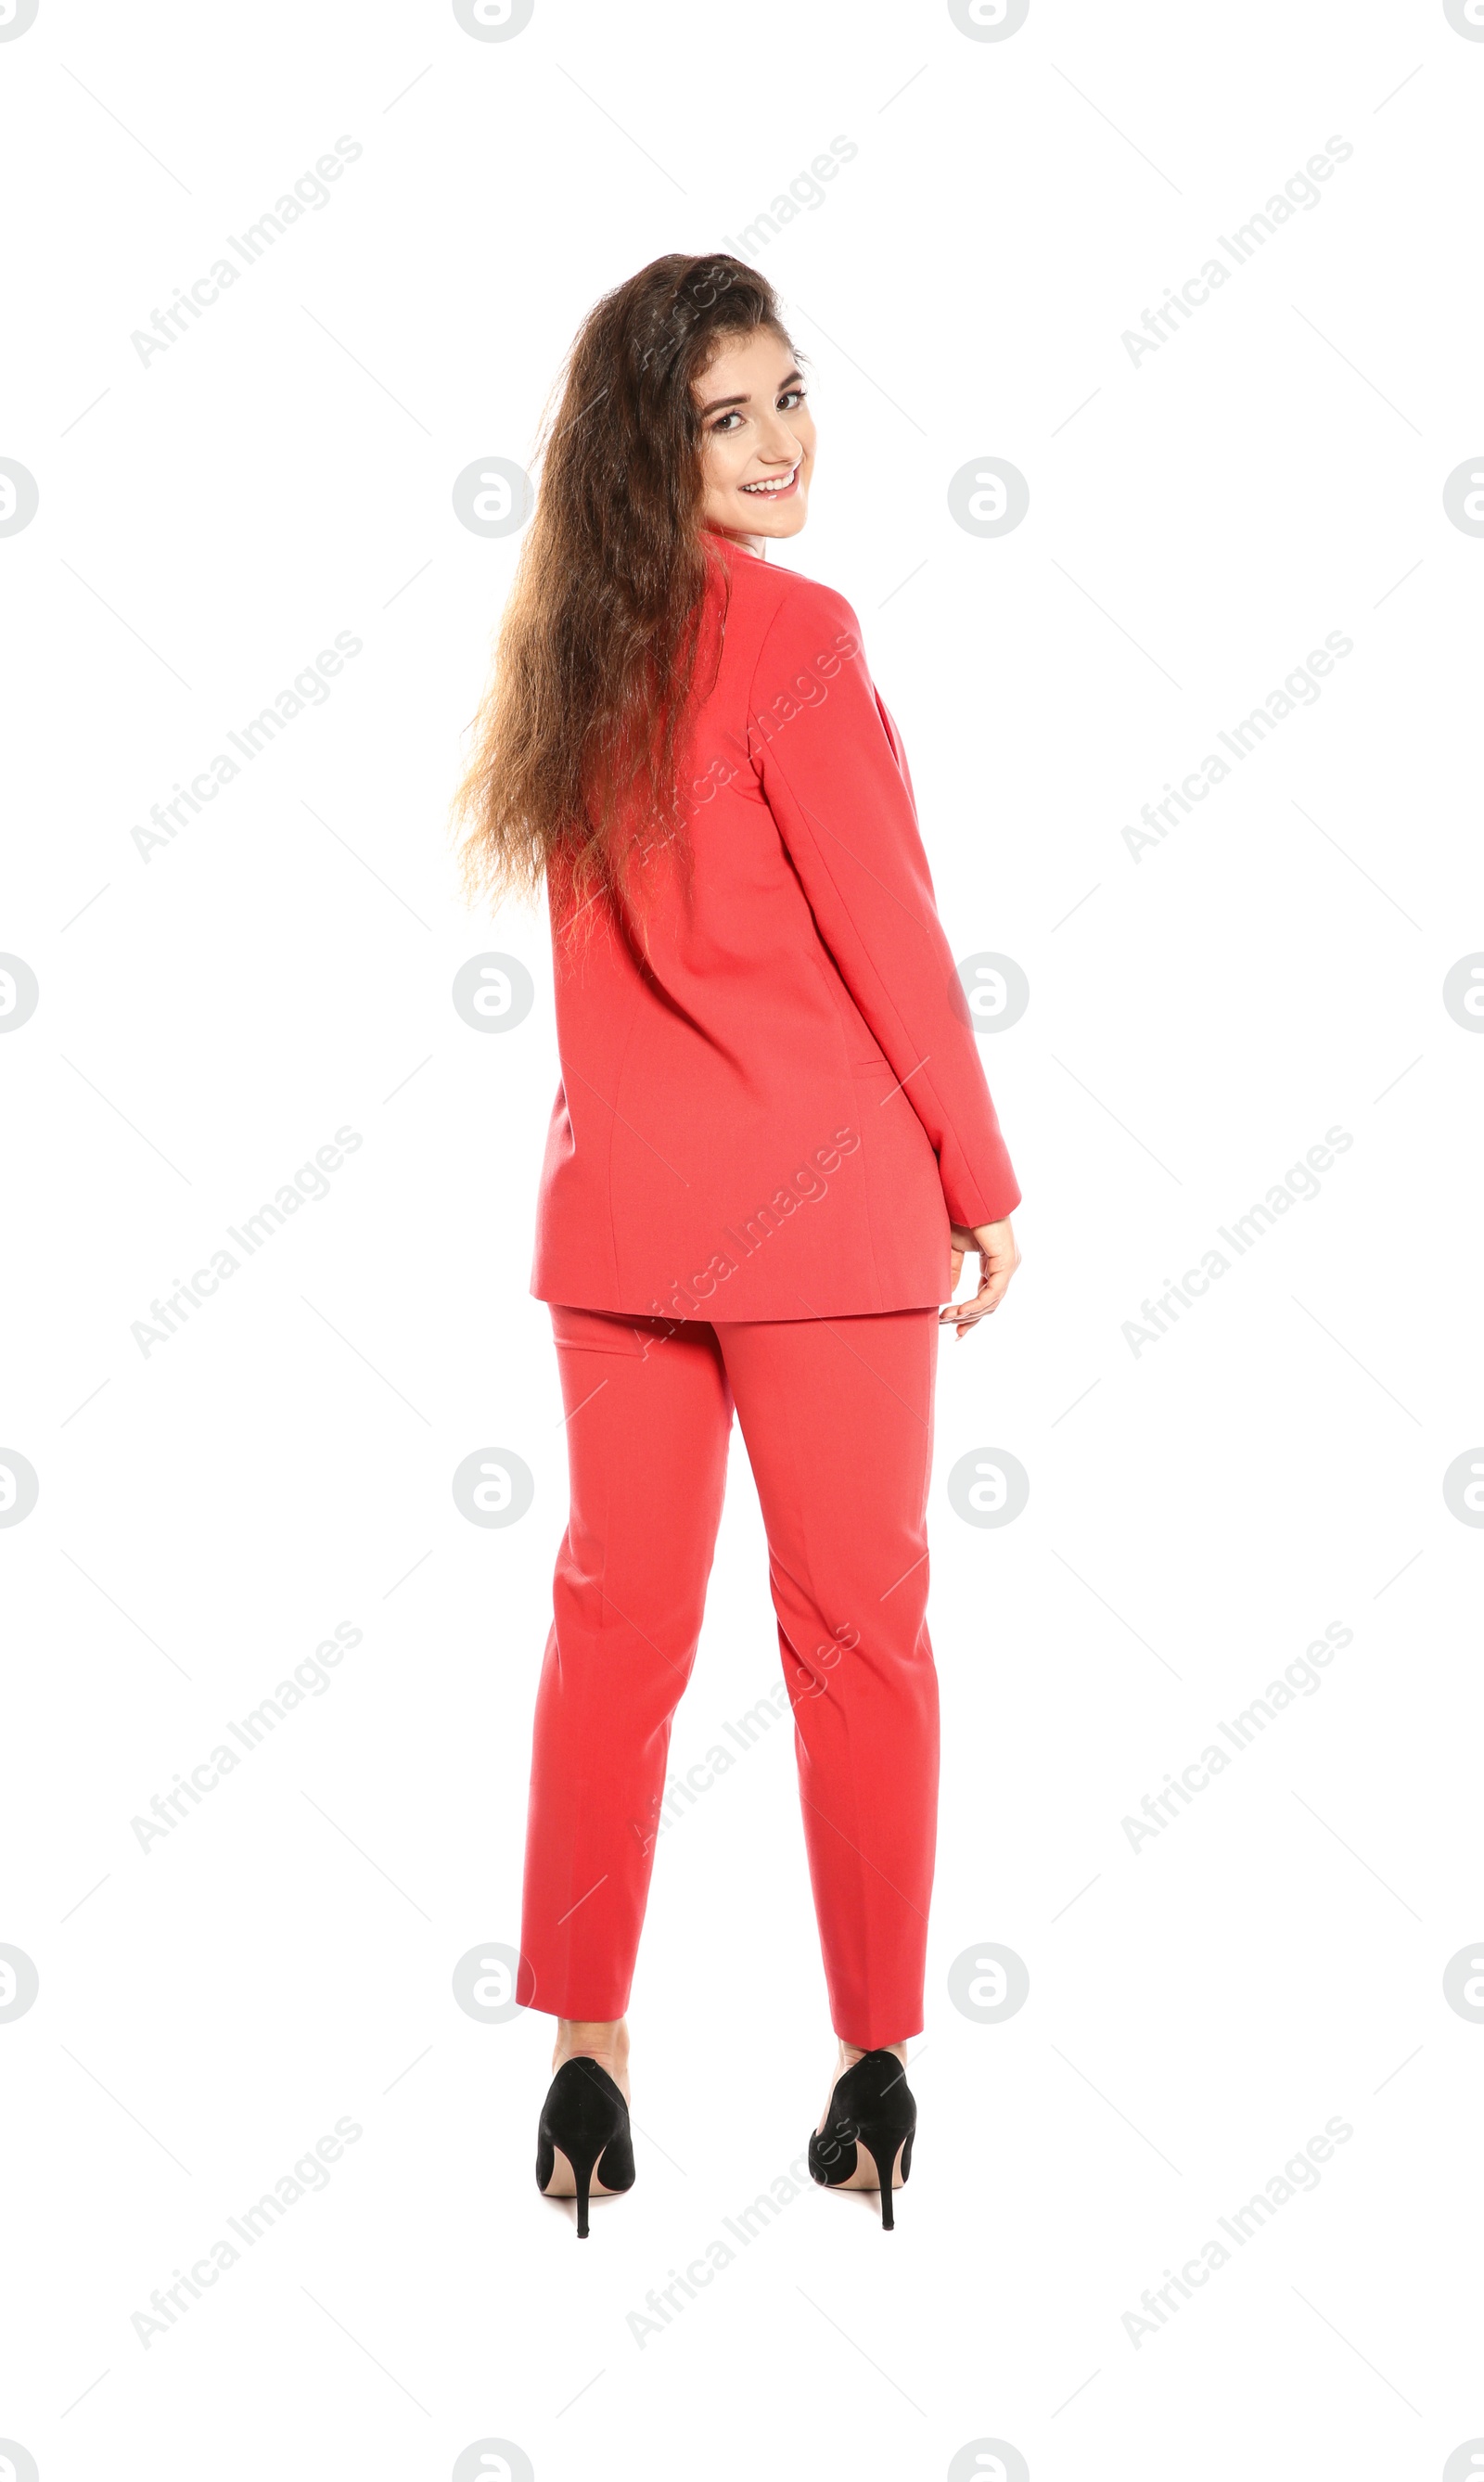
x: 756, y: 438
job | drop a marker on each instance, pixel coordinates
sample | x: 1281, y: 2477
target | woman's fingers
x: 972, y: 1312
x: 998, y: 1260
x: 995, y: 1281
x: 966, y: 1315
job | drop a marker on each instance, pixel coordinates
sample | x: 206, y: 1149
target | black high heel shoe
x: 872, y: 2105
x: 585, y: 2115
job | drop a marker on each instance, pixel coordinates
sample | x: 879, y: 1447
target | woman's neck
x: 756, y: 545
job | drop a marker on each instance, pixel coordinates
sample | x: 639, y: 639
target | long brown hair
x: 578, y: 744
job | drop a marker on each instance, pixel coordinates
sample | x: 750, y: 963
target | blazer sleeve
x: 835, y: 780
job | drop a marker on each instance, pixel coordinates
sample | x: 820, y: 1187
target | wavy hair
x: 578, y: 744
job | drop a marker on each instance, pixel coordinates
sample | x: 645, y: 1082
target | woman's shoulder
x: 784, y: 607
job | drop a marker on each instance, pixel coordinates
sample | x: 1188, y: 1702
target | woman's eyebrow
x: 718, y: 403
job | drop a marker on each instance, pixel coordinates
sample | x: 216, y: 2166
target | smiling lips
x: 779, y: 491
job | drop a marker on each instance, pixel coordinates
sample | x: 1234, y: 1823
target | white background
x: 1199, y: 1018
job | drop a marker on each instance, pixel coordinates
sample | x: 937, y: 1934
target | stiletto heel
x: 884, y: 2171
x: 872, y: 2106
x: 585, y: 2115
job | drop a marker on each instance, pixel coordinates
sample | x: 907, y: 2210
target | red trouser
x: 837, y: 1417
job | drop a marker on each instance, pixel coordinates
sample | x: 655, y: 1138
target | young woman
x: 772, y: 1147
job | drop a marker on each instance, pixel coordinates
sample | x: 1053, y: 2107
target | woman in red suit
x: 771, y: 1150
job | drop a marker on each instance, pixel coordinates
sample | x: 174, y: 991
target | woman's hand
x: 998, y: 1259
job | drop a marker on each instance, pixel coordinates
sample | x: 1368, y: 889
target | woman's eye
x: 790, y: 398
x: 732, y: 416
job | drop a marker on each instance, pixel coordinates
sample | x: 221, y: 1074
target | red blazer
x: 772, y: 1100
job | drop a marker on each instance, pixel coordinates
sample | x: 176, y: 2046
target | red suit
x: 772, y: 1103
